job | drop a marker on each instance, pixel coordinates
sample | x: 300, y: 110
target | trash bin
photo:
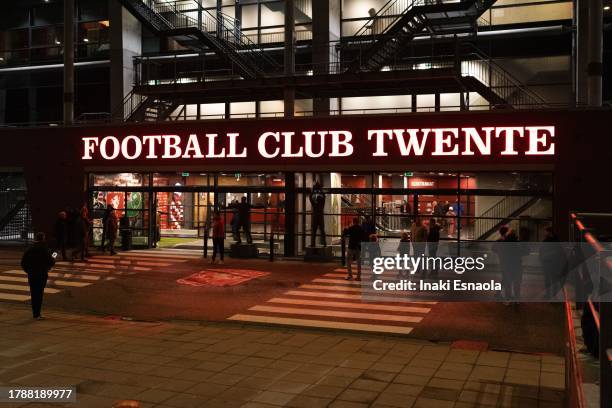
x: 126, y: 234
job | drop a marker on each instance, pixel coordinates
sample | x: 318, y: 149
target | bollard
x: 271, y: 247
x: 342, y: 251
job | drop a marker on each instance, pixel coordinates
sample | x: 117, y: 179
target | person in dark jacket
x: 112, y: 226
x: 554, y: 263
x: 104, y: 219
x: 403, y: 249
x: 61, y: 233
x: 36, y: 262
x: 244, y: 220
x: 83, y: 226
x: 433, y: 238
x: 356, y: 236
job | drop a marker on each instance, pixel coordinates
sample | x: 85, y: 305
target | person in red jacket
x: 218, y: 237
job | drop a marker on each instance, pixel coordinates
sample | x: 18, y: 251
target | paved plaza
x: 183, y: 364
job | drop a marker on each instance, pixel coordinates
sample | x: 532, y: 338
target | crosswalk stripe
x: 323, y: 324
x: 62, y: 275
x: 332, y: 287
x: 119, y: 261
x: 337, y: 313
x: 98, y: 268
x: 52, y: 282
x: 12, y: 296
x: 344, y: 296
x: 25, y: 288
x: 100, y: 272
x: 162, y: 254
x: 349, y: 305
x: 337, y: 282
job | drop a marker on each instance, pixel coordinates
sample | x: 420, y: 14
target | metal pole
x: 68, y: 61
x: 595, y: 51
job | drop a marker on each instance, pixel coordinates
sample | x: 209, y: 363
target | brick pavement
x: 233, y: 365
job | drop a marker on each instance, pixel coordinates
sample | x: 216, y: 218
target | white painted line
x: 322, y: 324
x: 337, y: 282
x: 11, y: 296
x: 333, y: 287
x: 346, y: 296
x: 25, y: 288
x: 348, y: 305
x: 336, y: 313
x: 63, y: 275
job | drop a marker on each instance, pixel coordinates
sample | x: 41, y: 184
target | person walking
x: 61, y: 233
x: 104, y: 219
x: 218, y: 237
x: 111, y: 229
x: 36, y: 262
x: 433, y: 239
x: 554, y: 263
x: 403, y: 249
x: 356, y: 235
x: 419, y: 238
x: 244, y: 220
x: 83, y: 226
x: 516, y: 251
x: 369, y: 227
x: 451, y: 219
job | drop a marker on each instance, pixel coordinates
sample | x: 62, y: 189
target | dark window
x: 52, y: 13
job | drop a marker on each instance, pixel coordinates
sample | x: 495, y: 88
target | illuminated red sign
x: 331, y: 144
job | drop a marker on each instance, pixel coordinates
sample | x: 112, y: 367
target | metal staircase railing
x: 507, y: 208
x: 478, y: 65
x: 219, y: 31
x: 384, y: 18
x: 16, y: 225
x: 141, y: 108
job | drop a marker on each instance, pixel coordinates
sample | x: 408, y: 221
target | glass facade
x: 467, y: 205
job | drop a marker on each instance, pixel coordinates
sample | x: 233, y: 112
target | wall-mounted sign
x: 328, y: 144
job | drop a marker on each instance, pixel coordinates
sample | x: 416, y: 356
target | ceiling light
x: 86, y: 39
x: 606, y: 8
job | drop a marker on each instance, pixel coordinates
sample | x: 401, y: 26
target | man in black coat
x: 244, y: 220
x: 36, y: 262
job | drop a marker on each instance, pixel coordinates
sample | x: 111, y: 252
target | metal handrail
x: 225, y: 27
x: 605, y: 342
x: 499, y: 70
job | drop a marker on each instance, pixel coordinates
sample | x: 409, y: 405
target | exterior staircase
x: 219, y: 33
x: 143, y: 108
x: 16, y: 224
x: 399, y: 21
x: 500, y: 214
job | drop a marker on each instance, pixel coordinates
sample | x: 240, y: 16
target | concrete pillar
x: 325, y: 30
x: 125, y: 43
x: 289, y: 101
x: 581, y: 44
x: 595, y: 52
x: 68, y: 61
